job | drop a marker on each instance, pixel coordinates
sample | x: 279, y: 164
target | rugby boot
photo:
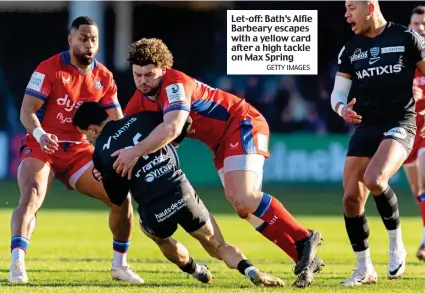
x: 307, y: 250
x: 306, y: 277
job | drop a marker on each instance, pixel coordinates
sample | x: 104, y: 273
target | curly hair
x: 150, y: 51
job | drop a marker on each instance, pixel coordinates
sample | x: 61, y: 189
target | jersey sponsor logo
x: 154, y: 162
x: 155, y: 174
x: 393, y: 49
x: 175, y: 93
x: 174, y: 207
x: 68, y: 104
x: 124, y: 128
x: 358, y: 55
x: 36, y: 81
x: 107, y: 144
x: 379, y: 70
x: 398, y: 132
x: 63, y: 119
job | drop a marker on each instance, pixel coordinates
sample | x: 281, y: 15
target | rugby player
x: 236, y: 133
x: 54, y: 148
x: 414, y: 166
x: 378, y: 66
x: 164, y: 195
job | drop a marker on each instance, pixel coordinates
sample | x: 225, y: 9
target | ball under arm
x: 340, y: 93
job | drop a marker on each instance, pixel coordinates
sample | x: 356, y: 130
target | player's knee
x: 31, y: 199
x: 374, y: 182
x: 352, y: 202
x: 244, y: 201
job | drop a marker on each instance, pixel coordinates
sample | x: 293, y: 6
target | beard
x: 152, y: 92
x: 81, y: 57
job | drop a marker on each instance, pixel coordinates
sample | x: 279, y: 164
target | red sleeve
x: 40, y: 84
x: 134, y: 106
x: 110, y: 98
x: 177, y: 96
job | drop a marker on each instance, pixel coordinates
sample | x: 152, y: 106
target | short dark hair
x: 89, y: 113
x: 419, y: 10
x: 150, y: 51
x: 82, y: 20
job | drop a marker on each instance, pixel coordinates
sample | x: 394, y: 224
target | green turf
x: 71, y: 250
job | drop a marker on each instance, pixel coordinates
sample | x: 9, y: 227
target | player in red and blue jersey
x: 54, y: 148
x: 238, y: 136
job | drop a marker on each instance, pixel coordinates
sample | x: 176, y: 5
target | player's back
x: 153, y: 174
x: 382, y: 70
x: 63, y: 88
x: 211, y: 109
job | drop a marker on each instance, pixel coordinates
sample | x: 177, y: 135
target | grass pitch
x: 71, y: 250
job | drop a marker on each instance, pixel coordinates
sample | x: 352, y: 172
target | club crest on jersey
x: 358, y: 55
x: 374, y: 52
x: 98, y: 84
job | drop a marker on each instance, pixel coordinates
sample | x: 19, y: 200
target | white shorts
x: 249, y: 162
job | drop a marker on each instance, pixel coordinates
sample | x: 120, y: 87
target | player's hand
x: 349, y: 115
x: 49, y: 143
x: 97, y: 175
x: 124, y: 164
x: 417, y: 93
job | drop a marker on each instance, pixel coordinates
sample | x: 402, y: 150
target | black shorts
x: 366, y: 138
x: 181, y: 206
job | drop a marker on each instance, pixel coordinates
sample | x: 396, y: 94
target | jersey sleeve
x: 110, y: 98
x: 415, y: 45
x: 40, y: 84
x: 116, y: 187
x: 344, y: 64
x: 177, y: 96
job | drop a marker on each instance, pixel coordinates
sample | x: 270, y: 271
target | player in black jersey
x: 165, y: 197
x: 376, y: 67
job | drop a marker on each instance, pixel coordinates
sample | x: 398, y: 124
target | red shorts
x: 68, y: 163
x: 417, y: 145
x: 248, y: 134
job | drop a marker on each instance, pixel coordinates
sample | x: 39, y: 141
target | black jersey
x: 153, y: 175
x: 382, y: 71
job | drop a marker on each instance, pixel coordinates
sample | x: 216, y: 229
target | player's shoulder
x: 103, y: 70
x: 397, y: 28
x: 172, y: 75
x: 50, y: 64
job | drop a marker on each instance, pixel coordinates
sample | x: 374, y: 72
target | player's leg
x: 243, y: 153
x: 355, y: 196
x: 195, y: 218
x: 80, y: 177
x: 274, y: 235
x: 160, y: 230
x: 420, y: 164
x: 34, y: 179
x: 389, y: 157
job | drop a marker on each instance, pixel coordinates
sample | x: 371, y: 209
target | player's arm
x: 110, y: 101
x: 176, y: 106
x: 416, y: 48
x: 36, y: 93
x: 341, y: 90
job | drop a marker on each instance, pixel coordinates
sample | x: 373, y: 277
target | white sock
x: 120, y: 259
x: 18, y: 254
x: 364, y: 260
x: 423, y: 235
x: 396, y: 239
x: 197, y: 270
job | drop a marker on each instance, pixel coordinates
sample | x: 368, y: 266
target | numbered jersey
x: 153, y: 175
x: 382, y: 70
x: 211, y: 110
